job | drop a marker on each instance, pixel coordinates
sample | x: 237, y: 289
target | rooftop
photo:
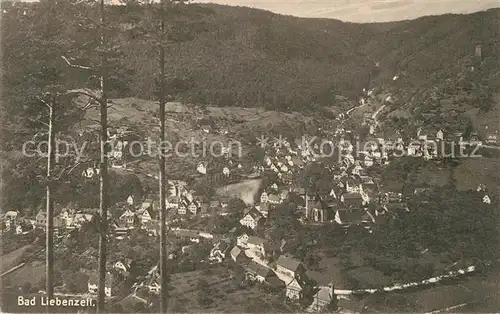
x: 186, y: 233
x: 352, y: 196
x: 256, y: 240
x: 258, y: 269
x: 288, y: 262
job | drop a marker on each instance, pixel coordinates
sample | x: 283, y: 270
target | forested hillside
x: 246, y: 57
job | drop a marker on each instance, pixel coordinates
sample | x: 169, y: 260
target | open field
x: 12, y: 259
x: 466, y: 175
x: 31, y: 273
x: 223, y: 293
x: 459, y: 292
x: 474, y: 171
x: 229, y: 127
x: 143, y: 113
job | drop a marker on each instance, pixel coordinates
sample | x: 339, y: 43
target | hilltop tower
x: 478, y: 52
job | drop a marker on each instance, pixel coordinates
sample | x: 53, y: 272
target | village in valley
x: 268, y: 230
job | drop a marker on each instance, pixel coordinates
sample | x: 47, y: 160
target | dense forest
x: 238, y: 56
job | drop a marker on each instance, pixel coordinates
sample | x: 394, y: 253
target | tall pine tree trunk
x: 163, y: 248
x: 103, y: 173
x: 49, y: 228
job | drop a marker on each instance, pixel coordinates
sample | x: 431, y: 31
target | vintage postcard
x: 236, y: 156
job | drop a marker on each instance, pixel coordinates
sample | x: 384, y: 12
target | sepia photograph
x: 250, y: 156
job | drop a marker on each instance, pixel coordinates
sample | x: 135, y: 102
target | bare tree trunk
x: 163, y: 247
x: 49, y: 228
x: 103, y: 173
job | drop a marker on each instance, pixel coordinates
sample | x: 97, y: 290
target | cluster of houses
x: 230, y: 168
x: 345, y: 202
x: 248, y: 255
x: 117, y: 272
x: 429, y: 143
x: 66, y: 219
x: 354, y: 199
x: 12, y: 222
x: 492, y: 139
x: 286, y: 273
x: 146, y: 214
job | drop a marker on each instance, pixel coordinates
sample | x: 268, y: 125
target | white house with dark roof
x: 88, y: 173
x: 201, y: 168
x: 267, y: 161
x: 294, y: 289
x: 440, y: 135
x: 11, y: 215
x: 128, y: 217
x: 492, y: 139
x: 193, y: 207
x: 318, y: 212
x: 188, y: 234
x: 352, y: 185
x: 93, y: 282
x: 274, y: 168
x: 352, y: 199
x: 256, y: 244
x: 81, y: 218
x: 486, y: 199
x: 258, y: 272
x: 322, y: 298
x: 414, y: 149
x: 332, y: 193
x: 123, y: 265
x: 238, y: 255
x: 183, y: 205
x: 171, y: 201
x: 274, y: 199
x: 219, y: 252
x: 182, y: 209
x: 146, y: 215
x: 154, y: 285
x: 368, y: 161
x: 251, y: 219
x: 369, y: 192
x: 287, y: 268
x: 481, y: 187
x: 130, y: 200
x: 19, y: 229
x: 263, y: 209
x: 293, y: 274
x: 242, y: 240
x: 264, y: 197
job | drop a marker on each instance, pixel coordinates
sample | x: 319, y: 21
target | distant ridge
x: 364, y: 11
